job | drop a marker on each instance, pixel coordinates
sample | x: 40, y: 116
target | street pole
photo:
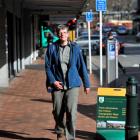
x: 89, y: 39
x: 131, y: 110
x: 101, y: 6
x: 101, y: 51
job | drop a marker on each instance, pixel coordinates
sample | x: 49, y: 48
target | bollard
x: 131, y: 128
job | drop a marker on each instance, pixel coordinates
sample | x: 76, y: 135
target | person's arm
x: 48, y: 64
x: 58, y: 85
x: 83, y: 72
x: 87, y: 90
x: 50, y: 76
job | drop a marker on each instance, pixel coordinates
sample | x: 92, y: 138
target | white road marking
x: 136, y: 65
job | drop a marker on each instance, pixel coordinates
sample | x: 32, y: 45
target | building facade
x: 17, y: 47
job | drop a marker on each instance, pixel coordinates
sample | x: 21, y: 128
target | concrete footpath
x: 26, y: 108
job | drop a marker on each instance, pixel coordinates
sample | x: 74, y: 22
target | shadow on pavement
x: 18, y: 95
x: 87, y: 110
x: 42, y: 100
x: 85, y: 135
x: 130, y: 71
x: 16, y: 135
x: 35, y: 67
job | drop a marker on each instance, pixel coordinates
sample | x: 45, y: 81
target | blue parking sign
x: 111, y: 49
x: 89, y: 16
x: 101, y: 5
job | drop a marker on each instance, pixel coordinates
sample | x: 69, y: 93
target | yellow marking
x: 111, y: 91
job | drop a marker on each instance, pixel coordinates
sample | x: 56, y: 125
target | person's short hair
x: 61, y: 27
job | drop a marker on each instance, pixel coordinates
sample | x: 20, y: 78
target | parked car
x: 114, y: 34
x: 138, y: 36
x: 106, y: 28
x: 83, y: 41
x: 121, y: 44
x: 122, y: 30
x: 103, y: 46
x: 84, y: 34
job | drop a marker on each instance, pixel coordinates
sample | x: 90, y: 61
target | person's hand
x: 58, y: 84
x: 87, y: 90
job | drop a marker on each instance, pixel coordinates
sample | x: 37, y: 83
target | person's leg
x: 58, y: 111
x: 71, y: 111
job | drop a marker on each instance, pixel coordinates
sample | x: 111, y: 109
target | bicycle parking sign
x: 89, y: 16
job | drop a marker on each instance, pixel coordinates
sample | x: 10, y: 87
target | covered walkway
x: 25, y: 108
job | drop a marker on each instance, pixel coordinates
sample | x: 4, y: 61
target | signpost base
x: 110, y: 135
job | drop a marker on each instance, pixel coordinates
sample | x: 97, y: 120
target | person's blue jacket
x: 76, y: 70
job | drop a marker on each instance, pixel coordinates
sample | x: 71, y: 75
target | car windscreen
x: 86, y: 38
x: 95, y: 37
x: 83, y: 38
x: 121, y: 28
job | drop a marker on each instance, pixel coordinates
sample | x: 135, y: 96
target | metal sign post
x: 101, y: 52
x: 89, y: 39
x: 89, y: 18
x: 116, y: 60
x: 101, y: 6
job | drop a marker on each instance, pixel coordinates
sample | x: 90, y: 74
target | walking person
x: 65, y: 70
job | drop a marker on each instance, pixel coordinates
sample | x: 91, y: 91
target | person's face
x: 111, y: 36
x: 63, y: 34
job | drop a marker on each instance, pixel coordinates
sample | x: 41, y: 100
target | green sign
x: 111, y: 113
x: 44, y: 36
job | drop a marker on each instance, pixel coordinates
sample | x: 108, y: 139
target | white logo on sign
x: 101, y: 99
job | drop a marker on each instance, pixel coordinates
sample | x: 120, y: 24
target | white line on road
x: 136, y: 65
